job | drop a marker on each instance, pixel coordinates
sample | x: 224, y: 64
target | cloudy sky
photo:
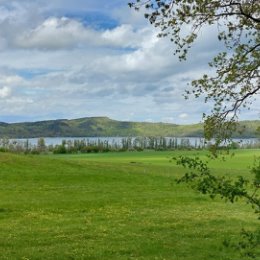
x: 81, y: 58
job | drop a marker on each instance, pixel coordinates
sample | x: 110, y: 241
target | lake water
x: 193, y: 141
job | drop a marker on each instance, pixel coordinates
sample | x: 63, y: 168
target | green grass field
x: 115, y: 206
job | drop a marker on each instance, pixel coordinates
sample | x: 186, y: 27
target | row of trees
x: 123, y: 144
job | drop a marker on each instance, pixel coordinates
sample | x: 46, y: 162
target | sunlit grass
x: 114, y: 206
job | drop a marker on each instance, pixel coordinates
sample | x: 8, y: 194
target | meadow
x: 115, y: 206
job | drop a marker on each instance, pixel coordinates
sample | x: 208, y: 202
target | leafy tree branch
x: 232, y: 87
x: 237, y: 71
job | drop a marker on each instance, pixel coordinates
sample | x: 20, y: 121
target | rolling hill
x: 104, y: 126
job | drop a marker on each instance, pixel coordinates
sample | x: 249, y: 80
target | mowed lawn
x: 115, y: 206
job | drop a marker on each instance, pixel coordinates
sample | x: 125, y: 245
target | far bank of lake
x: 118, y: 141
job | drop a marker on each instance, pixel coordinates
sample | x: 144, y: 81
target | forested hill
x: 103, y: 126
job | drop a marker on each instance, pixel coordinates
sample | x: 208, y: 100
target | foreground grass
x: 114, y: 206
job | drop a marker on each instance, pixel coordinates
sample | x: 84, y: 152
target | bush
x: 59, y: 149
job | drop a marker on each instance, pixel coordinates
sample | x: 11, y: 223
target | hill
x: 104, y: 126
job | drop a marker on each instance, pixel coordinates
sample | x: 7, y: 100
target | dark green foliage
x: 60, y: 149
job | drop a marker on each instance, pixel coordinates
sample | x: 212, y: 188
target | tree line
x: 111, y: 145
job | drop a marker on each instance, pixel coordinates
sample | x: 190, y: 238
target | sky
x: 85, y: 58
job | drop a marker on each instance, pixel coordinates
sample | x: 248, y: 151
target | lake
x: 191, y: 141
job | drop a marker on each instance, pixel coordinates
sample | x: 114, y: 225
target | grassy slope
x: 113, y: 206
x: 103, y: 126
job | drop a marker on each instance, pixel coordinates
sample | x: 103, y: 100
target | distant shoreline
x: 104, y: 126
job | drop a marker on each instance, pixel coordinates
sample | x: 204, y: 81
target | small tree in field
x: 41, y: 146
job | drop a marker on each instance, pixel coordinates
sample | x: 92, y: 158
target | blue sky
x: 80, y: 58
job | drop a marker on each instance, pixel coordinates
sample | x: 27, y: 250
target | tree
x: 233, y: 86
x: 237, y: 70
x: 41, y: 146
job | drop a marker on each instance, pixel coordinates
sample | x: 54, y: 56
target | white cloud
x: 126, y: 72
x: 5, y: 92
x: 10, y: 80
x: 119, y: 35
x: 183, y: 116
x: 125, y: 36
x: 56, y: 33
